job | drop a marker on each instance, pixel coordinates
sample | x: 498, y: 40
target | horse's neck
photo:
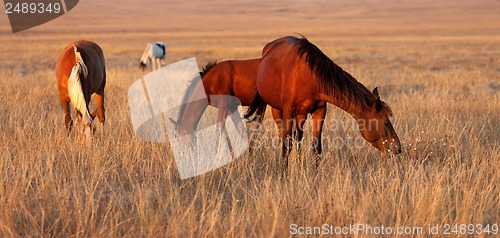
x: 144, y: 58
x: 192, y: 107
x: 342, y: 103
x: 145, y: 55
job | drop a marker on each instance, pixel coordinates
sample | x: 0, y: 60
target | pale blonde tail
x: 75, y: 89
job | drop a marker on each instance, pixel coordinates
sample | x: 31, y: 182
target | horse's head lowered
x: 376, y: 128
x: 142, y: 65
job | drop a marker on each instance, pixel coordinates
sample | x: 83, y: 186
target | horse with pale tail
x: 154, y: 53
x: 295, y: 76
x: 80, y: 72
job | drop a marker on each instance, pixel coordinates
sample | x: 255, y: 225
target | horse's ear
x: 379, y: 105
x: 375, y: 92
x: 174, y: 123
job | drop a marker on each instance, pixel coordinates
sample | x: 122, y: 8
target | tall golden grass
x: 441, y: 79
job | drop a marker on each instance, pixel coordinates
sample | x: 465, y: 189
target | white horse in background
x: 156, y: 53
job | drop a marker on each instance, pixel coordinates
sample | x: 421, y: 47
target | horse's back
x: 244, y: 79
x: 279, y: 55
x: 233, y: 77
x: 283, y: 75
x: 157, y: 49
x: 287, y: 41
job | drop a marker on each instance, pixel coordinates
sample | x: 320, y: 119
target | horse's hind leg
x: 159, y: 63
x: 163, y: 61
x: 156, y: 63
x: 99, y: 96
x: 67, y: 117
x: 277, y: 116
x: 100, y: 111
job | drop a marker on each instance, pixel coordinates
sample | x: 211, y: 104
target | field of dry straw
x: 436, y: 63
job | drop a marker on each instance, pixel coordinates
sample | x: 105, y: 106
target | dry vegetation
x: 436, y: 64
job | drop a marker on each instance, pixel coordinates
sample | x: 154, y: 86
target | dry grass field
x: 437, y: 63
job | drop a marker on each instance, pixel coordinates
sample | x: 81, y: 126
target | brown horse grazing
x: 232, y: 77
x: 80, y: 72
x: 235, y: 78
x: 295, y: 77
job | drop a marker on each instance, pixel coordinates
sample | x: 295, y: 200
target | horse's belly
x: 270, y: 89
x: 305, y: 107
x: 244, y: 89
x: 272, y: 99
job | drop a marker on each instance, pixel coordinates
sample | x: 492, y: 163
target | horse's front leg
x: 238, y: 122
x: 318, y: 117
x: 221, y: 121
x: 299, y: 129
x: 278, y: 119
x: 286, y: 135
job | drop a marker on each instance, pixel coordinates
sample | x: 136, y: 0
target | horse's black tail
x: 162, y: 47
x: 256, y: 109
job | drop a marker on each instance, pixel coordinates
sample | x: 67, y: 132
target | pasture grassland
x: 436, y: 63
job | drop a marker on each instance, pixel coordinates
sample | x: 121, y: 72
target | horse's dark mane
x: 187, y: 94
x: 207, y: 67
x: 192, y: 85
x: 334, y: 80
